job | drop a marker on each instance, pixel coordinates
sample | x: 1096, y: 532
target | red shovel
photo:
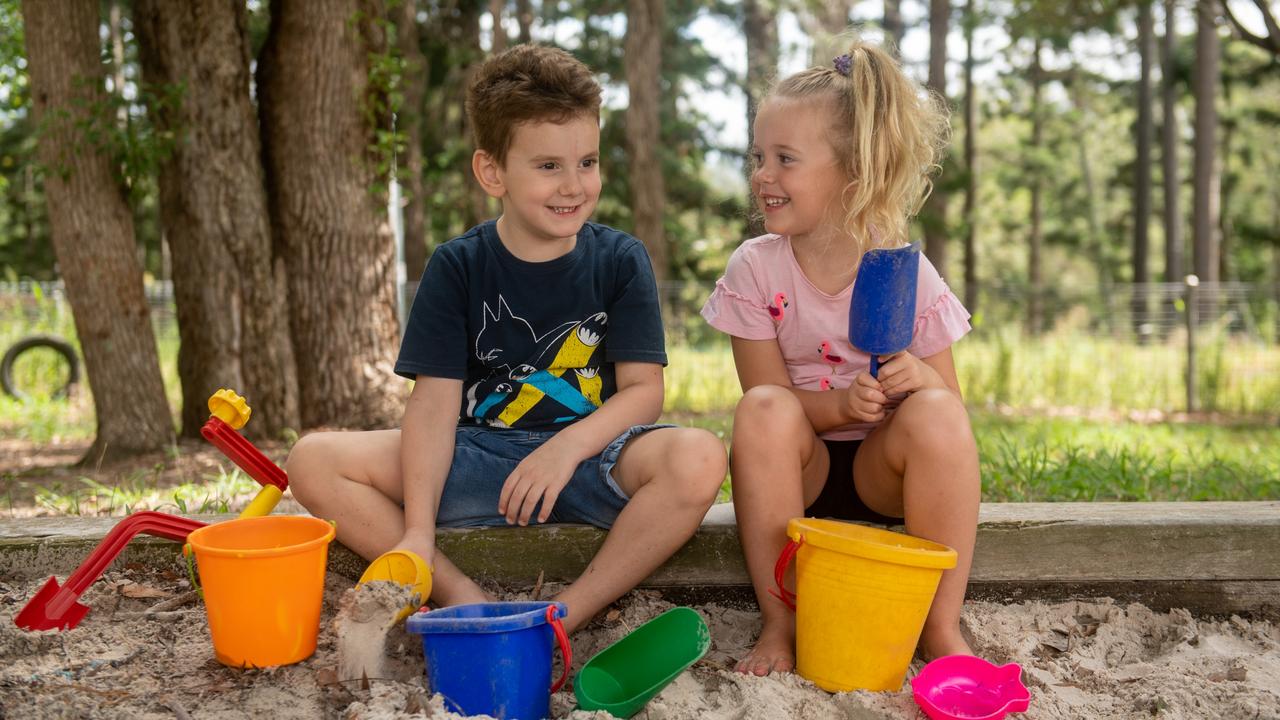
x: 57, y: 607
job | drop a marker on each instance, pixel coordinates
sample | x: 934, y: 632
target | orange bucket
x: 263, y: 581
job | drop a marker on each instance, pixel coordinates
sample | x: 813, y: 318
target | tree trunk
x: 1225, y: 227
x: 643, y: 47
x: 116, y: 35
x: 1205, y: 207
x: 894, y: 30
x: 935, y: 209
x: 410, y: 121
x: 970, y: 164
x: 91, y: 228
x: 1035, y: 288
x: 328, y: 207
x: 1169, y: 140
x: 1142, y: 176
x: 499, y: 32
x: 761, y: 32
x: 1092, y: 201
x: 524, y: 16
x: 213, y: 210
x: 477, y: 202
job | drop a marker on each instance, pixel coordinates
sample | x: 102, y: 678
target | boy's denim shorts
x: 483, y: 457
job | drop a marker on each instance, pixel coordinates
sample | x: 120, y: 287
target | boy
x: 543, y: 331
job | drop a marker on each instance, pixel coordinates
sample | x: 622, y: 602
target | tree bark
x: 92, y: 229
x: 894, y: 30
x: 761, y: 33
x: 643, y: 47
x: 328, y: 207
x: 1173, y: 265
x: 1205, y: 206
x: 935, y: 209
x: 524, y: 17
x: 499, y: 32
x: 1035, y: 284
x: 970, y: 164
x: 1142, y: 170
x: 213, y: 211
x: 409, y: 120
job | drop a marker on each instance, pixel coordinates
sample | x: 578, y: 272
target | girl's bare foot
x: 774, y: 651
x: 940, y: 643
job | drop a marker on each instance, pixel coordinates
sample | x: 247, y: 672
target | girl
x: 842, y: 158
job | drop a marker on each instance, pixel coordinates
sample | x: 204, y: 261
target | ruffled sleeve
x: 941, y: 318
x: 736, y: 305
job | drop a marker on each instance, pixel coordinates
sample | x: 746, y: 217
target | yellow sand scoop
x: 406, y: 568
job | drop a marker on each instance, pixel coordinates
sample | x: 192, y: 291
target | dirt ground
x: 1081, y: 660
x: 26, y: 466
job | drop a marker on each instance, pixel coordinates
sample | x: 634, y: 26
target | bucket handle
x: 780, y: 570
x: 189, y: 554
x: 562, y: 638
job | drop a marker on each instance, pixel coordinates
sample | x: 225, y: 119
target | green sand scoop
x: 624, y: 676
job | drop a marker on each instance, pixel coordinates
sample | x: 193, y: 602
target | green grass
x: 1011, y: 382
x: 136, y: 491
x: 1039, y: 459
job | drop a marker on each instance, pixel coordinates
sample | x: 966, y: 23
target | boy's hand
x: 865, y: 399
x: 906, y: 373
x: 540, y: 476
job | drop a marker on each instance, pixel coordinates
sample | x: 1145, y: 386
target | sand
x: 366, y: 632
x: 1082, y: 660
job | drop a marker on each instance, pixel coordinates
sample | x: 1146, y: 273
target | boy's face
x: 550, y: 183
x: 797, y: 180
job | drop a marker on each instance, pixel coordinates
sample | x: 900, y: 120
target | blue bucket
x: 493, y: 658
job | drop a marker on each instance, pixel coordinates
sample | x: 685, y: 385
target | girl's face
x: 796, y: 181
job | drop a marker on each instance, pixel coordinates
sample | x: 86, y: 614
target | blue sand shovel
x: 882, y: 313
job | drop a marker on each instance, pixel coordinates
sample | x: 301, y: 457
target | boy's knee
x: 308, y: 455
x: 696, y: 466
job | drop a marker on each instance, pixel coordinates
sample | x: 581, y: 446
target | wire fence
x: 1160, y: 346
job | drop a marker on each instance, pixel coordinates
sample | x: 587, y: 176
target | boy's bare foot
x: 775, y: 651
x: 940, y: 643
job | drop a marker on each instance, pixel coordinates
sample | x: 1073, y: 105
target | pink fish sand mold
x: 963, y: 687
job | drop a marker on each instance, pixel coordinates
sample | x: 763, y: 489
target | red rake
x: 57, y: 607
x: 244, y: 454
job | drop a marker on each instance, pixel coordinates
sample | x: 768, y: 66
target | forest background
x: 226, y: 194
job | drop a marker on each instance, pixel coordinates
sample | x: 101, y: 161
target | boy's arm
x: 546, y: 471
x: 426, y: 451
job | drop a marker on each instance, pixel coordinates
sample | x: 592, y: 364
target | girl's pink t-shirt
x: 764, y: 296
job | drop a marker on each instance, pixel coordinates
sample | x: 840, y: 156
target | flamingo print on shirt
x: 779, y: 306
x: 828, y: 356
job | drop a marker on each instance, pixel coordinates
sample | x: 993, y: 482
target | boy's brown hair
x: 527, y: 83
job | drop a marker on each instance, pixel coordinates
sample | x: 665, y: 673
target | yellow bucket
x: 862, y: 595
x: 263, y: 582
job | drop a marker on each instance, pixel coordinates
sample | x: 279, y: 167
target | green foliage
x: 383, y: 98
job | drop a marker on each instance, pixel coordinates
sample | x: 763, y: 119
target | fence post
x: 1193, y: 313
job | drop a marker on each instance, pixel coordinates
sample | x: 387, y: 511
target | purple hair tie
x: 843, y: 64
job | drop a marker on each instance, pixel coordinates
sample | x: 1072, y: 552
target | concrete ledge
x: 1214, y: 556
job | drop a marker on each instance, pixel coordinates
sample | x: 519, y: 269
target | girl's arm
x: 904, y: 372
x: 759, y: 362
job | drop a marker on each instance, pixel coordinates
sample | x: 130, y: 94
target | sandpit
x: 1095, y: 659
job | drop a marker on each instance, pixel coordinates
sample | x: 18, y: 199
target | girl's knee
x: 935, y: 417
x: 766, y: 412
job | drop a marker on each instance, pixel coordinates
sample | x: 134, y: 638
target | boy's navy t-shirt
x: 533, y: 342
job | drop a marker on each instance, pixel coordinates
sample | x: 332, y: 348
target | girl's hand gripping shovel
x: 882, y: 312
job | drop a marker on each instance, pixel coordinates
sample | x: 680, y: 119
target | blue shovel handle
x: 875, y: 366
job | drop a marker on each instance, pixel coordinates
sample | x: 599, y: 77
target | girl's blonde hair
x: 888, y: 134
